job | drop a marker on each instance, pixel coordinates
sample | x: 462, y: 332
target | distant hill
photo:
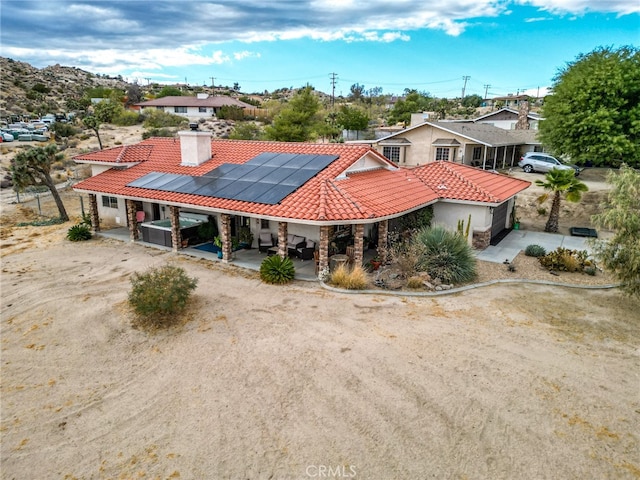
x: 29, y: 91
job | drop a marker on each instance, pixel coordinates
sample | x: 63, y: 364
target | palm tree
x: 560, y: 182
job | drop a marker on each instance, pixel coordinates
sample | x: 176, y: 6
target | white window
x: 109, y: 202
x: 392, y: 153
x: 477, y: 153
x: 202, y: 109
x: 442, y: 153
x: 180, y: 109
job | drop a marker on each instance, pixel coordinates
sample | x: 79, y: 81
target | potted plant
x: 375, y: 263
x: 217, y: 246
x: 245, y: 237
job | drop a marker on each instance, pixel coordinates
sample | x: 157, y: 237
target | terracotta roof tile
x: 326, y: 197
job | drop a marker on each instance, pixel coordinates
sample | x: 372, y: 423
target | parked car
x: 7, y: 137
x: 542, y: 162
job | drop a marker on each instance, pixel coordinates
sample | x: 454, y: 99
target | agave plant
x: 79, y: 232
x: 277, y: 270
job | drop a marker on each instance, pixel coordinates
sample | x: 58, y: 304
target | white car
x: 7, y: 137
x: 542, y: 162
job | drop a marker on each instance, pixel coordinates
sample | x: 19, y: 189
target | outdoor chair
x: 265, y: 242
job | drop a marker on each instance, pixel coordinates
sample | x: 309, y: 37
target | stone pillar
x: 282, y: 239
x: 323, y: 247
x: 481, y: 239
x: 225, y: 236
x: 93, y: 211
x: 132, y: 220
x: 383, y: 230
x: 358, y: 245
x: 176, y: 237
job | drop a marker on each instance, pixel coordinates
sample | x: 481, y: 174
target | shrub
x: 349, y: 278
x: 414, y: 282
x: 406, y: 257
x: 447, y: 256
x: 535, y: 251
x: 159, y: 294
x: 79, y: 232
x: 277, y: 270
x: 566, y: 260
x: 127, y: 118
x: 158, y: 132
x: 160, y: 119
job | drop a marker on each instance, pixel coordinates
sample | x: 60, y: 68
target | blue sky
x: 511, y: 46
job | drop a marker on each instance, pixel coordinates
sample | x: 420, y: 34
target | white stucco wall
x: 448, y: 214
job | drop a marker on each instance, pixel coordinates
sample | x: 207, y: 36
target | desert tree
x: 621, y: 213
x: 560, y: 183
x: 297, y: 120
x: 33, y: 167
x: 593, y: 113
x: 91, y: 122
x: 352, y: 119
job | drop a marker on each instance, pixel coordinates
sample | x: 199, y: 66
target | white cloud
x: 537, y: 19
x: 245, y: 54
x: 621, y: 7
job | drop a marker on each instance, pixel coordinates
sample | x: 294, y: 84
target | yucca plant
x: 447, y: 255
x: 277, y: 270
x: 79, y: 232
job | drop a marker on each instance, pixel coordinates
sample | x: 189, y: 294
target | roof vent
x: 193, y: 126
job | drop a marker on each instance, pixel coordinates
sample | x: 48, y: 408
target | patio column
x: 282, y: 239
x: 131, y: 220
x: 225, y: 236
x: 383, y: 230
x: 358, y: 245
x: 93, y: 211
x: 176, y: 237
x: 323, y: 247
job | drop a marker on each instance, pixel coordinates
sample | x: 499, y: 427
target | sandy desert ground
x: 295, y: 382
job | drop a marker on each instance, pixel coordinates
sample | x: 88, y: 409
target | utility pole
x: 486, y: 89
x: 148, y: 80
x: 334, y: 77
x: 213, y: 84
x: 464, y: 87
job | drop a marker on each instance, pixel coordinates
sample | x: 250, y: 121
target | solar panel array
x: 267, y: 178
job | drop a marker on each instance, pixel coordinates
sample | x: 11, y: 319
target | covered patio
x: 246, y: 258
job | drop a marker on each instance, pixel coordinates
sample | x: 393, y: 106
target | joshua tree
x: 33, y: 167
x: 560, y: 183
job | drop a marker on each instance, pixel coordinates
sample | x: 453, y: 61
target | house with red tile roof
x: 200, y: 106
x: 316, y: 192
x: 475, y: 144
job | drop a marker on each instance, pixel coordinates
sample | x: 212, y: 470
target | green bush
x: 158, y: 132
x: 127, y: 118
x: 535, y: 251
x: 160, y: 119
x: 79, y: 232
x: 159, y: 294
x: 447, y: 256
x: 277, y: 270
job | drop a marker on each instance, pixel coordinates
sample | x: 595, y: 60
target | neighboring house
x: 507, y: 119
x: 315, y: 191
x: 475, y: 144
x: 200, y: 106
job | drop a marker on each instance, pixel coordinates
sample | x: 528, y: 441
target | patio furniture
x: 265, y: 242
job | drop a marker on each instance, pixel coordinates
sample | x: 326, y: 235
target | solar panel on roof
x: 267, y: 178
x: 148, y: 178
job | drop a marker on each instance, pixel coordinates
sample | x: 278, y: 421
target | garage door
x: 499, y: 221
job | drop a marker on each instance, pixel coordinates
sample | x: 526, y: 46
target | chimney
x: 202, y: 96
x: 523, y: 115
x: 195, y: 146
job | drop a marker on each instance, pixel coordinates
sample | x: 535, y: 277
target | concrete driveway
x: 518, y: 240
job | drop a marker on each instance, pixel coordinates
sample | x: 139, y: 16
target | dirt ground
x: 260, y: 381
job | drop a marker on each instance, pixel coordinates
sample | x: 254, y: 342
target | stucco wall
x: 448, y: 214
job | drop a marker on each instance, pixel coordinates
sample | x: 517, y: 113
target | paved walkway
x: 518, y: 240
